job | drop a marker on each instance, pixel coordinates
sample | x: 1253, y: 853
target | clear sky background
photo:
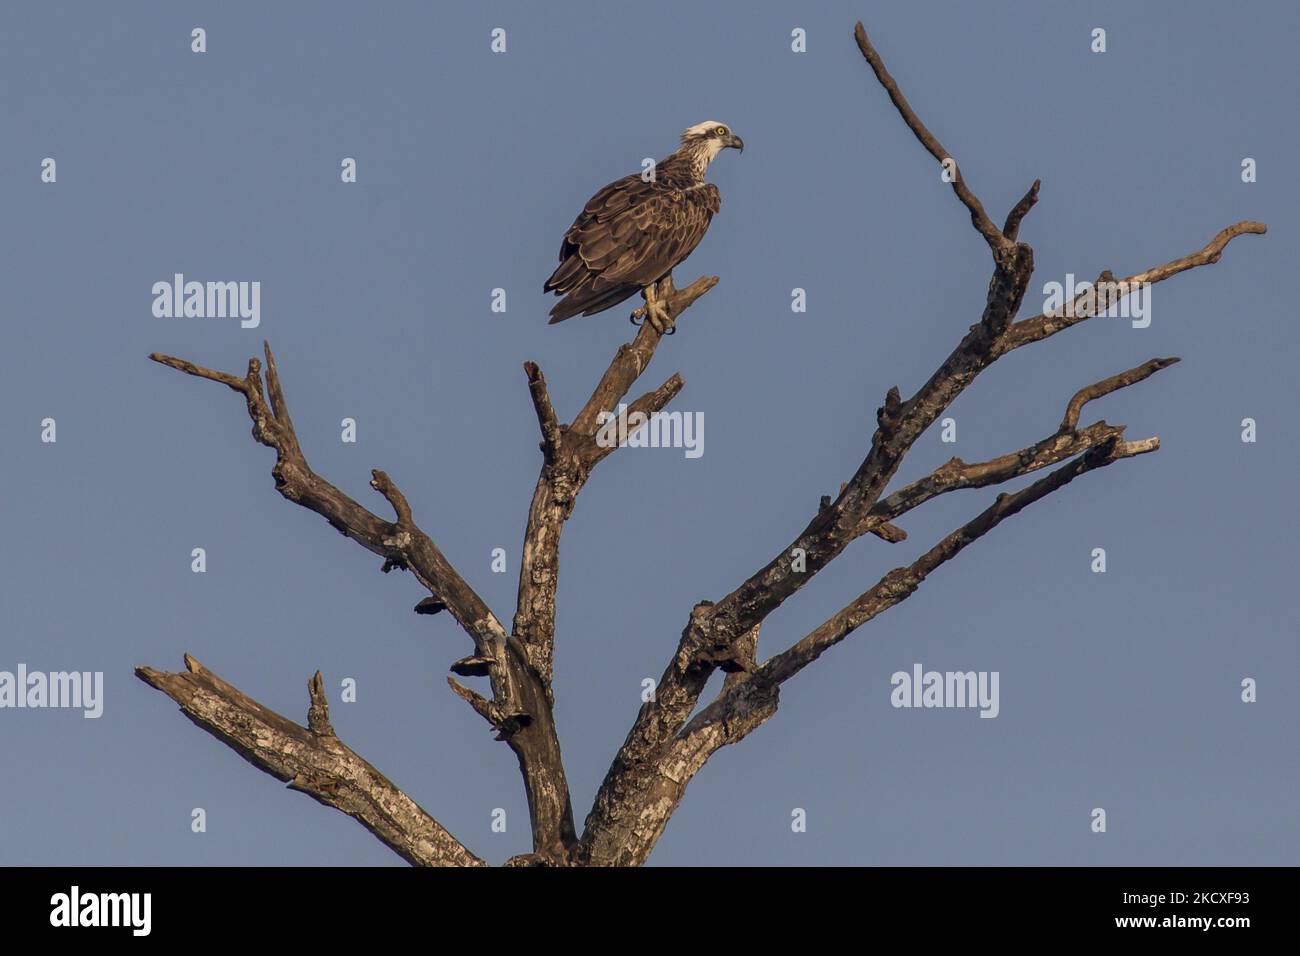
x: 1118, y: 690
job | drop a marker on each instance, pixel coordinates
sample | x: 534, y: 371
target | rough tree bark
x: 666, y: 745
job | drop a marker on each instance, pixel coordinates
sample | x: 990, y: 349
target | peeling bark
x: 520, y: 710
x: 312, y: 760
x: 519, y: 663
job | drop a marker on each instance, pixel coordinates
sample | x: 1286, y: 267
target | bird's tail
x: 566, y: 308
x: 589, y: 302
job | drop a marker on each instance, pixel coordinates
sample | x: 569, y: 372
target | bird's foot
x: 658, y: 317
x: 637, y: 316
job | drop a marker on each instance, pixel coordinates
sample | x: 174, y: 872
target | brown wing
x: 630, y: 234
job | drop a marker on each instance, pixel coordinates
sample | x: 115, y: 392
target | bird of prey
x: 632, y: 233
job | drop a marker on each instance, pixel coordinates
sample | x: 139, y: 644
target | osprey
x: 632, y: 233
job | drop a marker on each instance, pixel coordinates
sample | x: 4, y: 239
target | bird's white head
x: 705, y: 140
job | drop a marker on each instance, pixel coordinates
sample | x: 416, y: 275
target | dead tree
x: 666, y: 746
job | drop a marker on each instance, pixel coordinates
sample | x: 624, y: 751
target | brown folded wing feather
x: 630, y: 234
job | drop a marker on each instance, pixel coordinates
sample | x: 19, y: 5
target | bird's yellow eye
x: 721, y: 131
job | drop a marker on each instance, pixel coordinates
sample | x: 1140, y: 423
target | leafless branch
x: 1065, y: 443
x: 546, y: 419
x: 749, y: 696
x: 749, y: 699
x: 310, y: 759
x: 1124, y: 379
x: 710, y: 634
x: 633, y: 358
x: 900, y: 583
x: 639, y: 795
x: 978, y: 217
x: 573, y: 452
x: 402, y: 543
x: 1044, y: 325
x: 1019, y: 211
x: 631, y: 797
x: 519, y: 663
x: 521, y: 698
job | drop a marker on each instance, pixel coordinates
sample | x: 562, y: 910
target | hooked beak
x: 735, y: 142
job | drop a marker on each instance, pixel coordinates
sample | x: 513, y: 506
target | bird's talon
x: 659, y: 318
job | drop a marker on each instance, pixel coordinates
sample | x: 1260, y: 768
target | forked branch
x: 1108, y: 290
x: 995, y: 237
x: 626, y: 822
x: 632, y: 803
x: 312, y: 760
x: 519, y: 663
x: 521, y: 708
x: 569, y: 453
